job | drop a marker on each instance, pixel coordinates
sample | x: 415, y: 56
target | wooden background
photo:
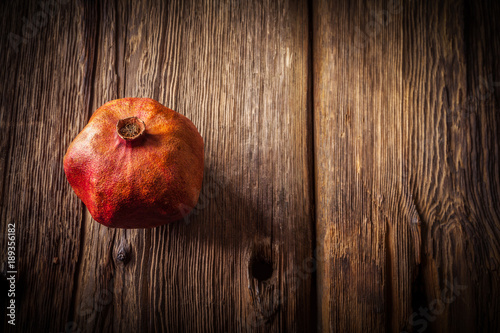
x: 352, y: 178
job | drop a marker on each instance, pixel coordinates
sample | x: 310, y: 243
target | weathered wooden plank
x: 453, y: 160
x: 240, y: 72
x: 435, y: 82
x: 41, y: 111
x: 407, y: 165
x: 365, y: 232
x: 481, y: 177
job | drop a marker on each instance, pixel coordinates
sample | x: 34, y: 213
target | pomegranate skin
x: 136, y: 164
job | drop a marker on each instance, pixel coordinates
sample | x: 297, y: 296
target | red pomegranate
x: 137, y: 164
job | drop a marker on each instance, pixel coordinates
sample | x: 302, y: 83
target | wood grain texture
x: 434, y: 54
x: 364, y: 209
x: 240, y: 72
x: 452, y: 119
x: 352, y: 161
x: 407, y: 177
x: 41, y: 113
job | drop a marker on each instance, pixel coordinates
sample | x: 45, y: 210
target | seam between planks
x: 312, y: 163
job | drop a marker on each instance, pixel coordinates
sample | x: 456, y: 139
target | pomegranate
x: 136, y: 164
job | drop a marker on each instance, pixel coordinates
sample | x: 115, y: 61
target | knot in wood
x: 122, y: 256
